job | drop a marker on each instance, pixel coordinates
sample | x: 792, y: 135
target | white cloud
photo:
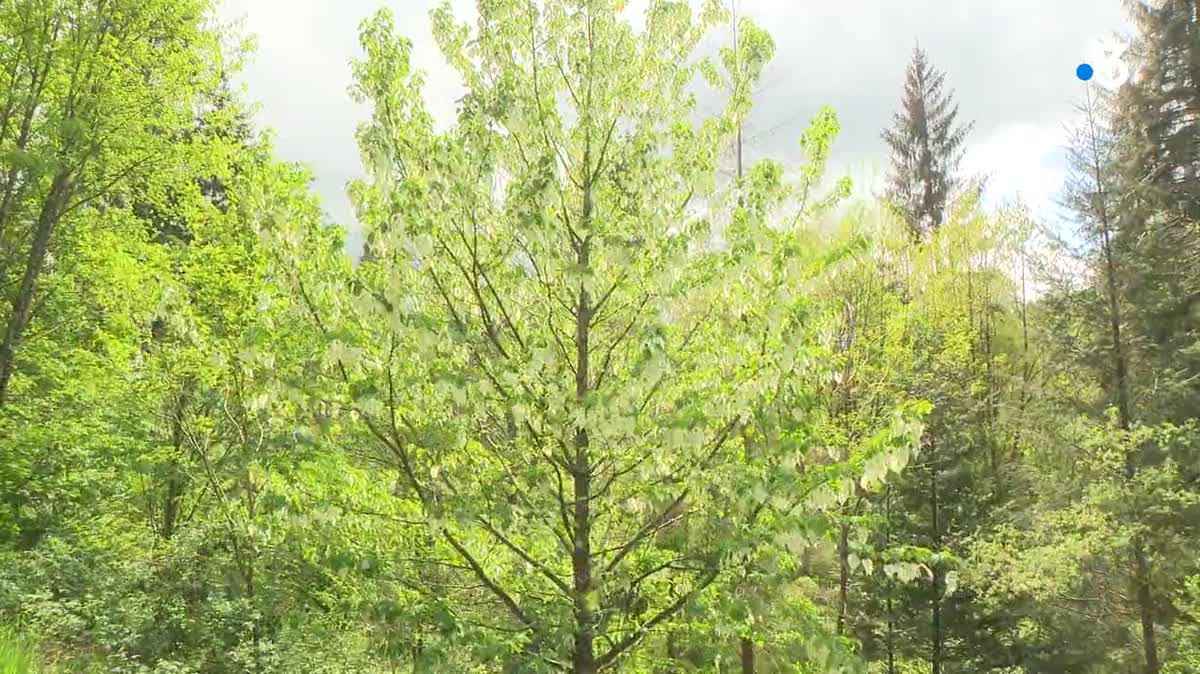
x: 1012, y: 64
x: 1022, y: 160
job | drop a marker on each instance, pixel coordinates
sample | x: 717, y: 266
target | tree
x: 1112, y: 463
x: 147, y: 459
x: 926, y: 141
x: 1158, y: 106
x: 1155, y: 164
x: 582, y: 406
x: 593, y: 401
x: 95, y: 93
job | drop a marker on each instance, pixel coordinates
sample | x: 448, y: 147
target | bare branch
x: 504, y: 597
x: 610, y: 657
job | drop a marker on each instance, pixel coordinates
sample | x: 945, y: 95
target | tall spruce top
x: 1159, y: 111
x: 926, y: 143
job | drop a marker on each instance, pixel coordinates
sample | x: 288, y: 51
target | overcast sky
x: 1011, y: 62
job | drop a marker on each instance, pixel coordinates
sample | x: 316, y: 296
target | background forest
x: 585, y: 403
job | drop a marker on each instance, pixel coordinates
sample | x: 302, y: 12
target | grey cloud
x: 1010, y: 62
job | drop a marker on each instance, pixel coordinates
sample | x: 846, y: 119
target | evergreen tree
x: 1097, y: 205
x: 1157, y: 162
x: 927, y: 144
x: 1160, y: 109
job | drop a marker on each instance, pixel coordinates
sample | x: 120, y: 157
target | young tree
x: 593, y: 402
x: 926, y: 141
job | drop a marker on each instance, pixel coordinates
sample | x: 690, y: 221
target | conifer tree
x: 1157, y: 118
x: 1160, y: 108
x: 926, y: 141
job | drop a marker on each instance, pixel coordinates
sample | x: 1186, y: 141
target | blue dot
x: 1084, y: 72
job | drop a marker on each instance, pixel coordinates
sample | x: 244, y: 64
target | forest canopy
x: 586, y: 401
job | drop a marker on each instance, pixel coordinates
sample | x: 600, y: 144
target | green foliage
x: 926, y: 141
x: 582, y: 406
x: 17, y: 654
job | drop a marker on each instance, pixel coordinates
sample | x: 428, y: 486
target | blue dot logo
x: 1084, y: 72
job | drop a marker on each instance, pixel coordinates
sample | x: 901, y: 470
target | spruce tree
x: 1157, y: 118
x: 1160, y: 109
x: 927, y: 144
x: 1099, y: 206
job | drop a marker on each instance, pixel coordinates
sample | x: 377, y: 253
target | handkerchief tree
x: 584, y: 362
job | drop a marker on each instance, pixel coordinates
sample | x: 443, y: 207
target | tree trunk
x: 992, y: 407
x: 935, y: 656
x: 251, y: 580
x: 1146, y: 603
x: 175, y: 477
x: 37, y: 83
x: 584, y: 657
x: 891, y: 610
x: 171, y: 503
x: 891, y: 633
x: 747, y: 655
x: 1141, y: 565
x: 18, y: 321
x: 843, y: 576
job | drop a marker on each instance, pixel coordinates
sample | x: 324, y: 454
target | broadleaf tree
x: 585, y: 368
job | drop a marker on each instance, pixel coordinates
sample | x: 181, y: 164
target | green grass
x: 17, y: 655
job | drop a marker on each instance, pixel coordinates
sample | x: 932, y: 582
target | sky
x: 1011, y: 64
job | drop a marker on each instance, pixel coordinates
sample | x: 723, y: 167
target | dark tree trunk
x: 175, y: 484
x: 583, y: 657
x: 891, y: 634
x: 935, y: 655
x: 18, y: 321
x: 843, y: 576
x: 1141, y: 571
x: 891, y: 609
x: 747, y: 655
